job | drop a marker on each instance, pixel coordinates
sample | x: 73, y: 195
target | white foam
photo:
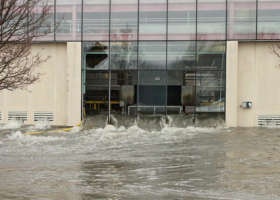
x: 110, y: 128
x: 121, y: 129
x: 135, y: 128
x: 33, y: 139
x: 13, y: 124
x: 76, y: 129
x: 15, y: 135
x: 42, y: 124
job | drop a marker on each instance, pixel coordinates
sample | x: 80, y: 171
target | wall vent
x: 0, y: 115
x: 43, y: 115
x: 269, y: 120
x: 17, y: 115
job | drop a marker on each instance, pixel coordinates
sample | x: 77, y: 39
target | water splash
x: 12, y: 124
x: 154, y: 122
x: 76, y: 129
x: 42, y: 124
x: 15, y: 135
x: 110, y: 128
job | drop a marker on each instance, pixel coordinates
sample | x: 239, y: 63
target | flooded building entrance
x: 166, y: 78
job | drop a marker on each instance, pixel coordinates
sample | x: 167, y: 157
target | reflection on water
x: 131, y: 163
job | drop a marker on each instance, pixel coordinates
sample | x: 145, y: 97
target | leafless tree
x: 123, y: 52
x: 275, y: 50
x: 21, y: 23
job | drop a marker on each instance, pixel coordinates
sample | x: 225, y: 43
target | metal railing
x: 154, y: 109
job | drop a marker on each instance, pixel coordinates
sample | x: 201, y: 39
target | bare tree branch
x: 275, y: 50
x: 21, y: 23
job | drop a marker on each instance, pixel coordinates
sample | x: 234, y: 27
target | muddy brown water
x: 132, y: 163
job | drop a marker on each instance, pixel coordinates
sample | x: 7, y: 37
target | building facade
x: 198, y: 57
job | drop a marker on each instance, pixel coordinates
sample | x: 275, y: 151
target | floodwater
x: 128, y: 162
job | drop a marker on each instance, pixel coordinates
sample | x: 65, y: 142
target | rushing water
x: 128, y: 162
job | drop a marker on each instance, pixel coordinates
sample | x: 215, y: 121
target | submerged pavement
x: 128, y: 162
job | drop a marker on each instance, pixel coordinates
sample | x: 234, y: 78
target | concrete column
x: 61, y: 84
x: 73, y: 83
x: 231, y: 84
x: 246, y: 83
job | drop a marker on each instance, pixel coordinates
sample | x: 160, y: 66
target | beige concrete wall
x: 74, y: 83
x: 267, y: 81
x: 246, y: 83
x: 257, y: 80
x: 231, y: 84
x: 59, y: 88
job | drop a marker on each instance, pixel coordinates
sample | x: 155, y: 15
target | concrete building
x: 160, y: 56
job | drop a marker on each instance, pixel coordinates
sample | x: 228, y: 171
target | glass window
x: 241, y: 19
x: 210, y: 91
x: 123, y: 92
x: 152, y: 92
x: 175, y: 84
x: 124, y: 55
x: 152, y: 55
x: 152, y: 19
x: 96, y: 55
x: 50, y: 21
x: 268, y: 19
x: 181, y: 55
x: 96, y: 20
x: 211, y: 19
x: 96, y: 91
x: 124, y: 19
x: 68, y: 19
x: 181, y: 20
x: 211, y: 55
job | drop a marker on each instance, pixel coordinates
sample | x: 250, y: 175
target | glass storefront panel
x: 123, y: 55
x: 175, y: 83
x: 211, y: 55
x: 268, y: 20
x: 50, y: 21
x: 210, y: 91
x: 96, y: 55
x: 123, y: 92
x: 155, y: 18
x: 188, y: 95
x: 124, y: 19
x: 241, y: 22
x: 96, y: 20
x: 162, y: 20
x: 152, y: 19
x: 96, y: 91
x: 152, y: 55
x: 182, y: 20
x: 68, y: 19
x: 152, y: 92
x: 181, y: 55
x: 211, y: 19
x: 180, y: 98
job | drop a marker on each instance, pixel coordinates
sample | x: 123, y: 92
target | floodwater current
x: 133, y: 163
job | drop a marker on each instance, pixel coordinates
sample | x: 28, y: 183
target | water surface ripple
x: 131, y: 163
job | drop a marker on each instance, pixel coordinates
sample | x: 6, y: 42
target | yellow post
x: 84, y: 112
x: 94, y: 106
